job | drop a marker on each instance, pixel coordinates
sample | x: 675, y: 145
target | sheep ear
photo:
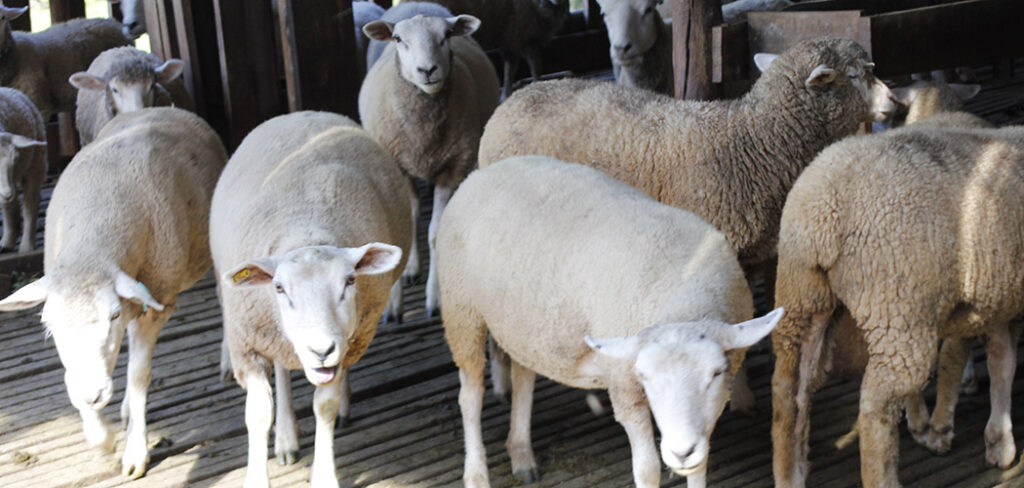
x: 27, y: 296
x: 12, y: 12
x: 131, y: 289
x: 747, y: 334
x: 764, y: 60
x: 379, y: 30
x: 615, y: 347
x: 22, y: 142
x: 253, y: 272
x: 375, y: 258
x: 965, y: 92
x: 85, y: 81
x: 167, y: 72
x: 463, y: 25
x: 821, y: 76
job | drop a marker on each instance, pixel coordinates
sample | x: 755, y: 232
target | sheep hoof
x: 528, y: 475
x: 937, y: 440
x: 287, y: 457
x: 134, y: 469
x: 999, y: 453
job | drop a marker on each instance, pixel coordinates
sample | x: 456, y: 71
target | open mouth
x: 321, y: 376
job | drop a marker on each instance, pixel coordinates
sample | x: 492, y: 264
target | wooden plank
x: 774, y: 32
x: 316, y: 81
x: 946, y: 36
x: 692, y: 44
x: 63, y: 10
x: 188, y: 49
x: 868, y: 7
x: 730, y: 52
x: 23, y: 23
x: 160, y: 26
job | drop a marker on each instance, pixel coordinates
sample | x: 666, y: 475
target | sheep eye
x: 279, y: 288
x: 398, y: 39
x: 116, y: 315
x: 351, y: 280
x: 718, y: 373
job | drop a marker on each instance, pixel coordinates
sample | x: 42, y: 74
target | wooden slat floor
x: 405, y: 429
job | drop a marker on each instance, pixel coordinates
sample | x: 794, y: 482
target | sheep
x: 731, y: 162
x: 936, y: 104
x: 39, y: 63
x: 22, y: 167
x: 641, y: 44
x: 517, y: 28
x: 133, y: 18
x: 656, y: 334
x: 427, y: 102
x: 918, y: 233
x: 363, y: 13
x: 126, y: 231
x: 396, y: 14
x: 301, y: 206
x: 125, y: 79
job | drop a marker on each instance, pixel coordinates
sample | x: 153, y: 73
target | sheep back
x: 306, y: 178
x: 433, y: 137
x: 610, y: 261
x: 139, y: 196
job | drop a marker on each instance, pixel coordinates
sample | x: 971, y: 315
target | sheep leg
x: 225, y: 361
x: 796, y: 366
x: 533, y: 58
x: 142, y: 333
x: 634, y: 414
x: 97, y: 432
x: 937, y: 435
x: 326, y: 399
x: 29, y: 214
x: 471, y: 402
x: 877, y: 423
x: 742, y: 399
x: 1001, y: 347
x: 969, y: 380
x: 286, y: 428
x: 441, y: 196
x: 518, y: 445
x: 395, y: 307
x: 501, y: 381
x: 259, y: 414
x: 511, y: 68
x: 345, y: 403
x: 412, y: 264
x: 10, y: 224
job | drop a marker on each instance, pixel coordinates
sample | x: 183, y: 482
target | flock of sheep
x: 600, y: 234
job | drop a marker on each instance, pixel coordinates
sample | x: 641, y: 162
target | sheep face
x: 129, y: 86
x: 133, y: 18
x: 422, y: 46
x: 11, y: 147
x: 685, y: 373
x: 86, y: 321
x: 632, y: 28
x: 316, y: 289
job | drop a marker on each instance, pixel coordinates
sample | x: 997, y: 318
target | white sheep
x: 133, y: 18
x: 126, y: 231
x: 125, y: 79
x: 39, y: 63
x: 396, y: 14
x: 427, y: 102
x: 919, y: 233
x: 613, y: 291
x: 22, y: 167
x: 640, y: 44
x: 299, y: 211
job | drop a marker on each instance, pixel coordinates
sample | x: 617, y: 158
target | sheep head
x: 686, y: 375
x: 84, y: 315
x: 129, y: 85
x: 632, y: 28
x: 11, y: 147
x: 133, y: 18
x: 422, y: 46
x: 316, y: 290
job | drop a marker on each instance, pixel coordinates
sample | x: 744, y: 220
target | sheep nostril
x: 427, y: 71
x: 323, y: 355
x: 684, y: 455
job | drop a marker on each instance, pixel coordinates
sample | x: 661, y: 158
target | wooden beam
x: 692, y: 21
x: 774, y: 32
x: 160, y: 26
x: 184, y: 29
x: 730, y: 53
x: 64, y: 10
x: 315, y: 81
x: 23, y: 23
x: 868, y: 7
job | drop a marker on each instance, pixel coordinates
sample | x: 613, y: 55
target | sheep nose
x: 685, y: 454
x: 132, y: 25
x: 322, y: 356
x: 427, y: 71
x: 623, y: 48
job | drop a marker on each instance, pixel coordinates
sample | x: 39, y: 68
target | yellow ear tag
x: 241, y: 275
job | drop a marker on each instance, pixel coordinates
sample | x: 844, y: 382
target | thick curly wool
x: 23, y: 168
x: 654, y: 70
x: 39, y: 63
x: 731, y: 162
x: 919, y: 233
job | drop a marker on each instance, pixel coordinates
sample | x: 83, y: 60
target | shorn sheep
x: 613, y: 291
x: 308, y: 229
x: 732, y: 162
x: 125, y: 79
x: 919, y: 233
x: 40, y: 63
x: 126, y: 231
x: 640, y: 44
x: 22, y: 167
x: 426, y: 102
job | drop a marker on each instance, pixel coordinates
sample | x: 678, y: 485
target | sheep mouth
x: 689, y: 470
x: 321, y: 376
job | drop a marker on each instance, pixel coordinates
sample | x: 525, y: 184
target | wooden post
x: 315, y: 80
x: 692, y: 21
x: 160, y: 25
x: 23, y: 23
x: 62, y: 10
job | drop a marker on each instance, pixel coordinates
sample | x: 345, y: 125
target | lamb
x: 125, y: 79
x: 918, y: 233
x: 641, y: 44
x: 22, y: 167
x: 517, y: 28
x: 301, y: 206
x: 126, y: 231
x: 396, y: 14
x: 937, y: 104
x: 731, y: 162
x: 39, y: 63
x: 427, y: 102
x: 363, y: 13
x: 658, y: 336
